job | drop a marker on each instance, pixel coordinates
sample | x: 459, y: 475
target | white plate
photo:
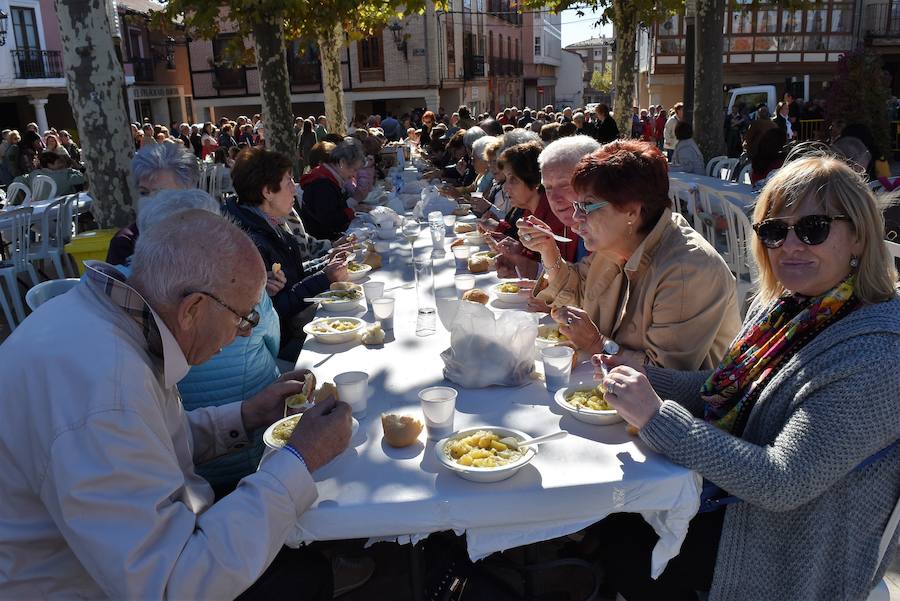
x: 338, y: 305
x: 588, y: 416
x: 277, y: 444
x: 485, y: 474
x: 355, y: 276
x: 334, y: 337
x: 510, y: 297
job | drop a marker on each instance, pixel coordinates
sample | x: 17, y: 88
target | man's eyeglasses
x: 586, y: 208
x: 246, y: 323
x: 810, y: 230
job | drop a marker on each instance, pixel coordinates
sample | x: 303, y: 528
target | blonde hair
x: 840, y: 190
x: 490, y: 151
x: 14, y: 137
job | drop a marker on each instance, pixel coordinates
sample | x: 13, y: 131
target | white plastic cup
x: 383, y: 308
x: 557, y: 366
x: 373, y: 290
x: 438, y: 407
x: 461, y: 254
x: 463, y: 282
x: 353, y: 389
x: 450, y: 221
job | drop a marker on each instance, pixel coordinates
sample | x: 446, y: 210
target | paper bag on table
x: 488, y: 350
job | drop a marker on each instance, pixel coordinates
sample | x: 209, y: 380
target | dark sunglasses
x: 811, y: 229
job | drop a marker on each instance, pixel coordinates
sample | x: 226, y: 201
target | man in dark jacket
x: 607, y: 131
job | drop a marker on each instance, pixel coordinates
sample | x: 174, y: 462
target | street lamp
x: 399, y: 37
x: 4, y: 20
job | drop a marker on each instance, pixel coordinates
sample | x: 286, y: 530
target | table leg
x: 528, y: 577
x: 416, y: 572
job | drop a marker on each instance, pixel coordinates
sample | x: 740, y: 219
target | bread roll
x: 464, y: 228
x: 400, y: 430
x: 476, y: 295
x: 479, y: 264
x: 457, y: 242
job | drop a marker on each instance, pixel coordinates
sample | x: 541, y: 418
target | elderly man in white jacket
x: 100, y: 497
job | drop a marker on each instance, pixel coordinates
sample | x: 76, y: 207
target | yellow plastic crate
x: 92, y: 245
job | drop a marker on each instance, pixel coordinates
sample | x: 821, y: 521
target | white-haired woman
x: 798, y: 426
x: 154, y: 167
x: 324, y: 211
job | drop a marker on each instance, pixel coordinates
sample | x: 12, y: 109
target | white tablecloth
x: 737, y: 191
x: 377, y: 492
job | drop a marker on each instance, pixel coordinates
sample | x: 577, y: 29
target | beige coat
x: 675, y: 298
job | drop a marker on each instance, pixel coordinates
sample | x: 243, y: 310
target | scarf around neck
x: 781, y: 330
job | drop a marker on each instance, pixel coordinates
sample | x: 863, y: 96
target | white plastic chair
x: 13, y: 192
x: 725, y: 168
x: 43, y: 187
x: 894, y: 249
x: 684, y: 200
x: 15, y: 226
x: 40, y: 294
x: 744, y: 174
x: 711, y: 165
x: 738, y: 235
x: 56, y: 231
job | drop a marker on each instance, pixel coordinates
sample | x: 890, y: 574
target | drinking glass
x: 352, y: 387
x: 557, y: 366
x: 438, y: 407
x: 411, y: 233
x: 436, y: 225
x: 464, y: 281
x: 427, y: 313
x: 373, y: 290
x: 450, y: 221
x: 383, y: 309
x: 461, y: 255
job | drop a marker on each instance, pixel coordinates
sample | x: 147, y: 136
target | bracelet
x: 293, y: 451
x: 557, y: 265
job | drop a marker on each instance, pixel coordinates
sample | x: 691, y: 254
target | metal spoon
x: 517, y: 444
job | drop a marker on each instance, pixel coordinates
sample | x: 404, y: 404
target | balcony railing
x: 37, y: 64
x: 473, y: 66
x: 143, y: 69
x: 883, y: 20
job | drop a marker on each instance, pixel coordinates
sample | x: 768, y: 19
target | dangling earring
x: 854, y: 262
x: 629, y: 229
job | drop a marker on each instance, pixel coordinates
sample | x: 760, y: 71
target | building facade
x: 570, y: 80
x: 157, y: 77
x: 794, y: 49
x: 439, y: 59
x: 32, y: 79
x: 597, y: 54
x: 880, y: 30
x: 543, y: 57
x: 505, y: 67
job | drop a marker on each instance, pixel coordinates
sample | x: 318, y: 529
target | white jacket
x: 669, y: 139
x: 100, y: 498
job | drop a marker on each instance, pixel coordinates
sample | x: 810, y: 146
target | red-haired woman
x: 652, y: 284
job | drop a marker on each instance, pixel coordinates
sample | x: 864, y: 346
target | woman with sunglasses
x: 796, y: 430
x: 651, y: 284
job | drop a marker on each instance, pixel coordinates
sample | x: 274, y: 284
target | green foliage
x: 602, y: 81
x: 859, y: 93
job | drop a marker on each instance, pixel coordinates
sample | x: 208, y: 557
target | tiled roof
x: 141, y: 6
x: 598, y: 41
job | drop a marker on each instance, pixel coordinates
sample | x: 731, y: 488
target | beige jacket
x: 675, y: 298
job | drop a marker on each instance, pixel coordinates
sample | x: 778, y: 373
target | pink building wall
x: 51, y: 26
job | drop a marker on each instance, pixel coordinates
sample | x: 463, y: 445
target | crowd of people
x: 789, y: 411
x: 53, y: 154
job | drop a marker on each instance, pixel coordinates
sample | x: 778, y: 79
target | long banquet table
x: 377, y: 492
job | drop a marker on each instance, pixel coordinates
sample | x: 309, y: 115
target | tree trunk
x: 708, y: 115
x: 332, y: 84
x: 626, y: 23
x: 95, y: 81
x: 274, y: 86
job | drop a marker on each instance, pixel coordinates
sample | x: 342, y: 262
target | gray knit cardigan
x: 810, y: 524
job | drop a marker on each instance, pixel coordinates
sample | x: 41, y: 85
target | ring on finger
x: 527, y: 237
x: 569, y: 320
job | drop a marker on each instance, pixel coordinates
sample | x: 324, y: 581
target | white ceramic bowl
x: 474, y: 238
x: 588, y: 416
x: 360, y: 274
x: 336, y: 304
x: 334, y: 337
x: 272, y: 443
x: 510, y: 297
x: 491, y: 256
x: 485, y: 474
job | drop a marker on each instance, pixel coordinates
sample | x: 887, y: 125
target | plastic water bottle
x: 401, y: 158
